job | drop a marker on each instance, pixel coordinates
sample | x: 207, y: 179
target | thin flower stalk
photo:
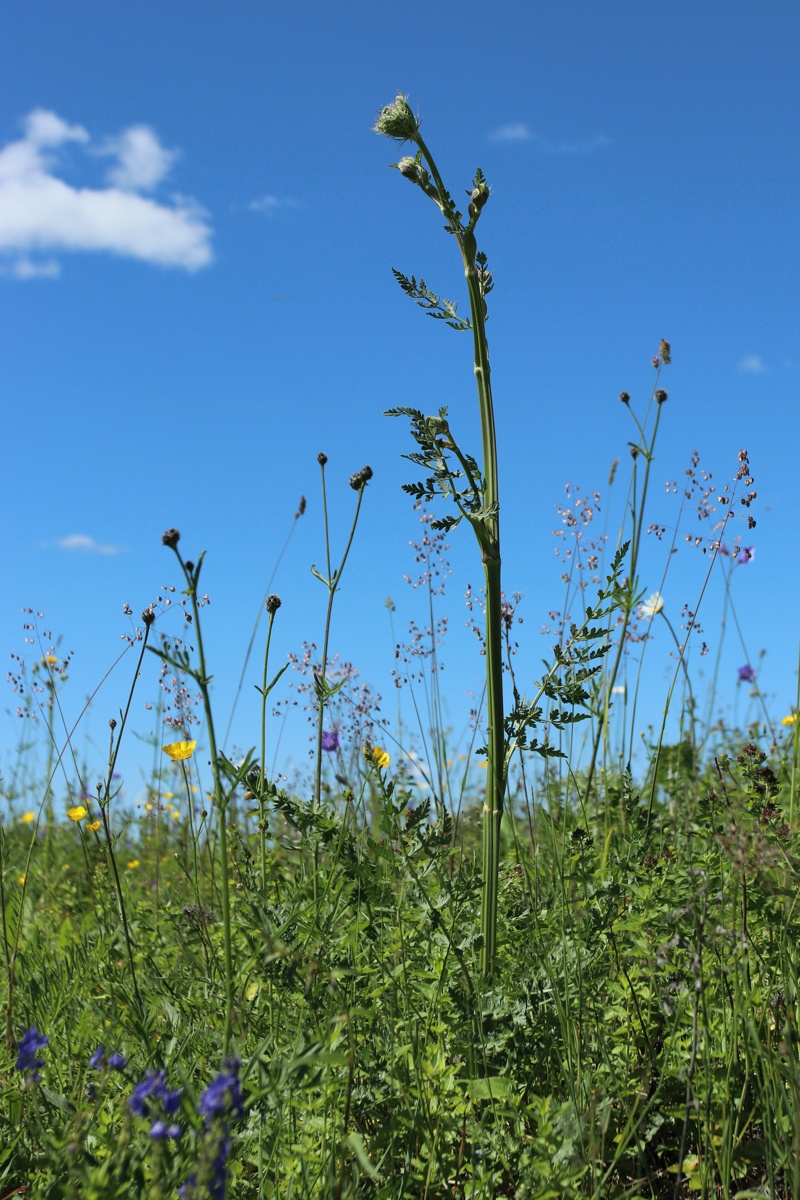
x: 397, y: 122
x: 191, y: 574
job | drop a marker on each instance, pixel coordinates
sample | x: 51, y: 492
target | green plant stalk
x: 202, y: 678
x: 398, y: 122
x: 332, y: 584
x: 262, y: 819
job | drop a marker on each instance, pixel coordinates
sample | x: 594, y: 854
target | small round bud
x: 625, y: 397
x: 112, y: 724
x: 661, y: 396
x: 322, y: 458
x: 148, y: 616
x: 190, y: 567
x: 273, y: 604
x: 409, y: 168
x: 360, y: 479
x: 479, y: 196
x: 171, y: 538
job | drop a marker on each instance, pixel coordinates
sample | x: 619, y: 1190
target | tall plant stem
x: 486, y: 526
x: 203, y: 679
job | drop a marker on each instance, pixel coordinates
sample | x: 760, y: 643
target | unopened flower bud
x: 664, y: 352
x: 360, y: 478
x: 273, y: 604
x: 112, y: 724
x: 322, y: 458
x: 479, y: 196
x: 625, y: 397
x: 661, y: 396
x: 301, y: 508
x: 148, y: 616
x: 171, y: 538
x: 190, y: 567
x: 397, y: 120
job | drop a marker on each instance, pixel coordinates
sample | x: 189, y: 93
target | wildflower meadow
x: 557, y: 960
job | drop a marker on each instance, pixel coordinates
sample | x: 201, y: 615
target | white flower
x: 652, y: 605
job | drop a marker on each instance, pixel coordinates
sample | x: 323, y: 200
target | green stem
x: 202, y: 679
x: 487, y: 531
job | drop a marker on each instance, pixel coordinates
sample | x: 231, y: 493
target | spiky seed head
x: 397, y: 121
x: 273, y: 604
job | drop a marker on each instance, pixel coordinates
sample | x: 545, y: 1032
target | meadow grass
x: 556, y: 966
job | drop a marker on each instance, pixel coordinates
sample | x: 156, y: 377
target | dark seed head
x: 273, y: 604
x: 661, y: 396
x: 322, y: 458
x: 171, y: 538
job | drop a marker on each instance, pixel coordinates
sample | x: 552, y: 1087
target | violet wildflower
x: 152, y: 1099
x: 330, y: 740
x: 27, y: 1048
x: 219, y: 1104
x: 745, y: 555
x: 115, y: 1061
x: 746, y: 674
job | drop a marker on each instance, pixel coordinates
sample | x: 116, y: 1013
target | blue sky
x: 197, y: 230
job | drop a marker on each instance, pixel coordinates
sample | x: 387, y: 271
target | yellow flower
x: 49, y: 660
x: 790, y: 720
x: 94, y: 826
x: 169, y: 795
x: 175, y: 815
x: 77, y: 813
x: 374, y: 754
x: 179, y: 751
x: 133, y: 864
x: 27, y: 818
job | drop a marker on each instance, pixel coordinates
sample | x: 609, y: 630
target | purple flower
x: 223, y: 1096
x: 27, y: 1047
x: 746, y: 674
x: 160, y: 1131
x: 745, y: 555
x: 152, y: 1098
x: 219, y: 1104
x: 330, y: 740
x: 116, y: 1061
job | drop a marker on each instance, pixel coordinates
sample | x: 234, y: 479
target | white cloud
x: 517, y: 131
x: 269, y: 205
x: 85, y: 544
x: 26, y: 268
x: 41, y: 213
x: 143, y: 161
x: 753, y: 364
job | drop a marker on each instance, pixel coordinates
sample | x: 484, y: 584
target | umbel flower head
x: 397, y: 121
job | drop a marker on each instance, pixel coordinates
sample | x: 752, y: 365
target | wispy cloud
x: 43, y: 215
x: 269, y: 205
x: 517, y: 131
x: 83, y: 544
x: 753, y: 364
